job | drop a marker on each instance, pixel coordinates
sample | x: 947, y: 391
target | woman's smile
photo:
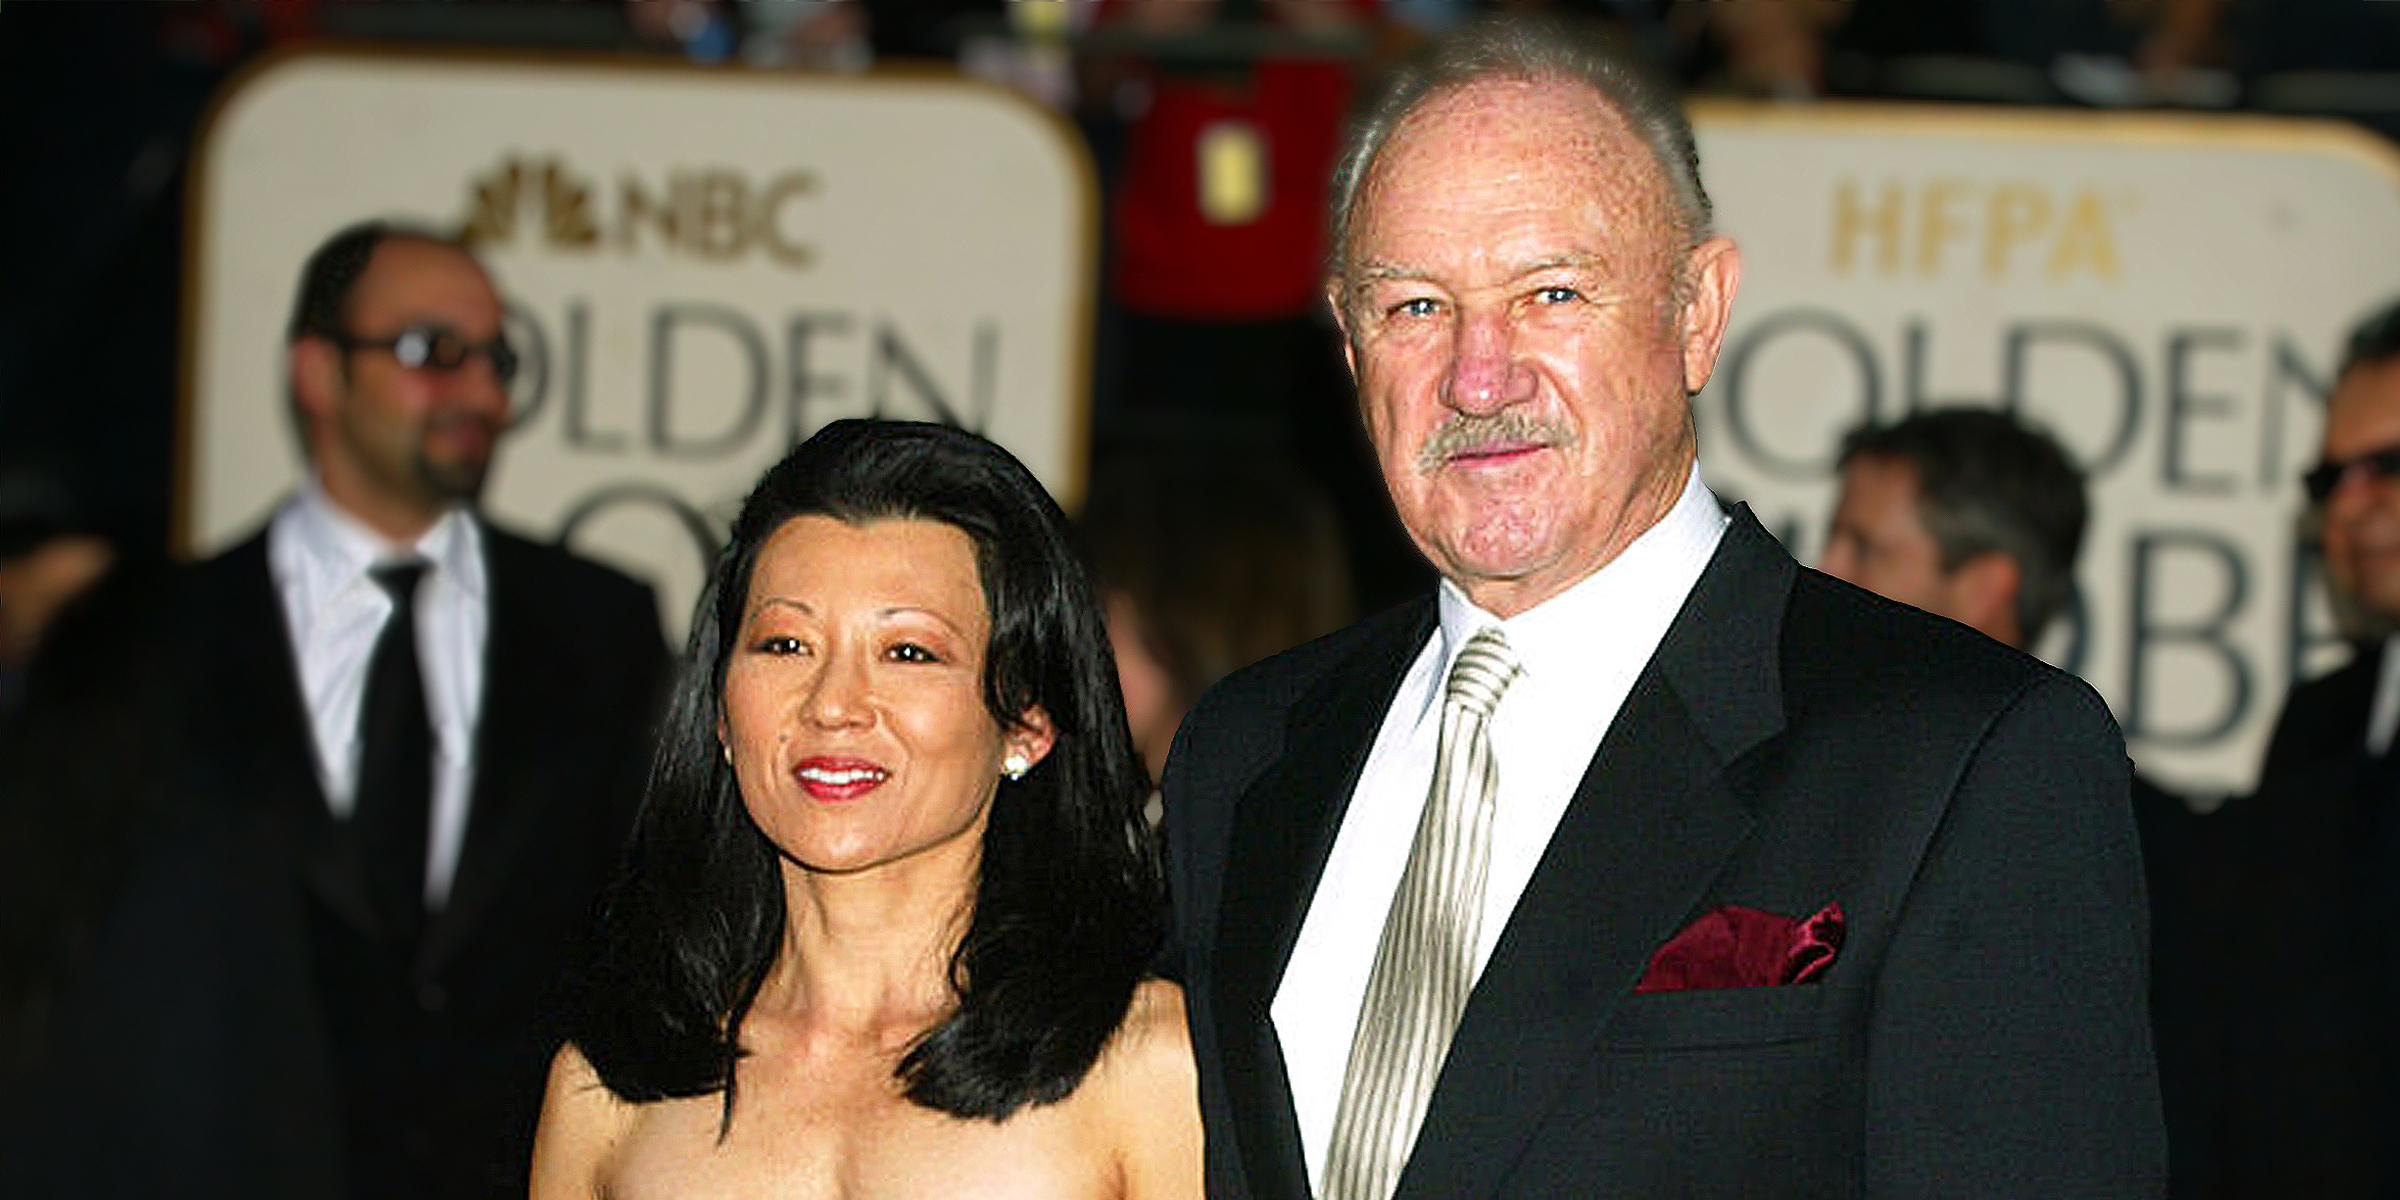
x: 831, y: 778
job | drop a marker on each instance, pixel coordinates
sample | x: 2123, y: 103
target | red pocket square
x: 1743, y: 947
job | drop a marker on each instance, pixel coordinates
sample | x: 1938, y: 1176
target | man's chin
x: 458, y: 483
x: 1508, y: 559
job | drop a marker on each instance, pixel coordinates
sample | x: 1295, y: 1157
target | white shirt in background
x: 319, y: 556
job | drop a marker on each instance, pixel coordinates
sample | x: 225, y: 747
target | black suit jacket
x: 2296, y: 1051
x: 246, y: 1028
x: 1794, y: 742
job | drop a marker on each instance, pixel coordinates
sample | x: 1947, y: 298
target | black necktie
x: 395, y: 761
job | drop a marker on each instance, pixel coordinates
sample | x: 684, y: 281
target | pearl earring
x: 727, y: 751
x: 1015, y: 766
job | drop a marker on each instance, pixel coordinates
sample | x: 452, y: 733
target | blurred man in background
x: 1965, y: 513
x: 456, y: 815
x: 2308, y: 1102
x: 410, y: 745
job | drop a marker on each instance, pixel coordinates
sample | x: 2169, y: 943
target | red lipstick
x: 831, y: 778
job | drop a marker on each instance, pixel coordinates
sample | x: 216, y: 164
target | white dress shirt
x: 1582, y: 651
x: 2384, y: 715
x: 319, y: 556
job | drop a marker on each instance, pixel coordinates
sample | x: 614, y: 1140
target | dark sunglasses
x: 2322, y: 479
x: 439, y: 348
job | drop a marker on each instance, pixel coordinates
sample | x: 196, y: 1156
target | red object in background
x: 1172, y: 259
x: 221, y: 33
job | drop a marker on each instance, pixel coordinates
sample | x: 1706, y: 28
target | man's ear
x: 317, y: 377
x: 1983, y: 593
x: 1032, y: 736
x: 1341, y: 321
x: 1712, y: 272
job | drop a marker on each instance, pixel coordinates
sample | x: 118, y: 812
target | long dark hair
x: 1068, y: 905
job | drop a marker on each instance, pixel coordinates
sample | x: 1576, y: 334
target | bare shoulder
x: 582, y: 1125
x: 1155, y: 1024
x: 1149, y: 1095
x: 1151, y: 1050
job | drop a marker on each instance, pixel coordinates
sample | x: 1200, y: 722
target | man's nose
x: 2355, y: 490
x: 1485, y: 374
x: 475, y: 384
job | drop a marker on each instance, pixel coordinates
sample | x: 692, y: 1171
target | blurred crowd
x: 102, y: 102
x: 1234, y: 509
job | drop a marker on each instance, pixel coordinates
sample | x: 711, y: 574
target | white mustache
x: 1470, y: 433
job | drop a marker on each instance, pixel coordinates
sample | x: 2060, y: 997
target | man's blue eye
x: 1558, y: 295
x: 1420, y: 307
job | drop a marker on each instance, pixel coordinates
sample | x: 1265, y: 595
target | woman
x: 884, y: 925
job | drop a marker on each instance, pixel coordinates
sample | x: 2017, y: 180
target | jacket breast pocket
x: 1718, y: 1017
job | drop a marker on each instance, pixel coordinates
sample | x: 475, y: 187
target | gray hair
x: 1527, y: 49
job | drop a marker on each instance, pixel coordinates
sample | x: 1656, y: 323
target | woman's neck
x: 868, y: 953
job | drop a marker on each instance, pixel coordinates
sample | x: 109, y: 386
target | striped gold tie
x: 1425, y: 964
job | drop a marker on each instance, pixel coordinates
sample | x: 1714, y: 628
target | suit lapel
x: 262, y: 726
x: 511, y: 784
x: 1652, y: 824
x: 1282, y: 832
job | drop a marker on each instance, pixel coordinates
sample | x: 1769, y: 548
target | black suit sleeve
x: 1223, y: 742
x: 2009, y: 1052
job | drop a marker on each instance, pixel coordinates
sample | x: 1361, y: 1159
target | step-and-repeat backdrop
x: 700, y: 266
x: 2166, y: 294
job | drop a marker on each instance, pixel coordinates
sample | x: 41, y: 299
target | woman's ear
x: 1030, y: 738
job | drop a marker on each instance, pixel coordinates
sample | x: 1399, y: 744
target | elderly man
x: 2305, y: 1099
x: 1638, y: 861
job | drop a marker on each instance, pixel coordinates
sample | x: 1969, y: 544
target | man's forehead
x: 1880, y: 500
x: 1555, y: 138
x: 1376, y: 270
x: 2365, y: 405
x: 1883, y: 477
x: 1566, y: 119
x: 421, y: 276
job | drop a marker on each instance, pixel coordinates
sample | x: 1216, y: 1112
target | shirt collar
x: 340, y: 548
x: 1638, y: 593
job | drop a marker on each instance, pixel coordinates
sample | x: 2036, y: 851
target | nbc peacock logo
x: 711, y: 214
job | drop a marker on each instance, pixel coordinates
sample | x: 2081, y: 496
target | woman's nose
x: 837, y: 696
